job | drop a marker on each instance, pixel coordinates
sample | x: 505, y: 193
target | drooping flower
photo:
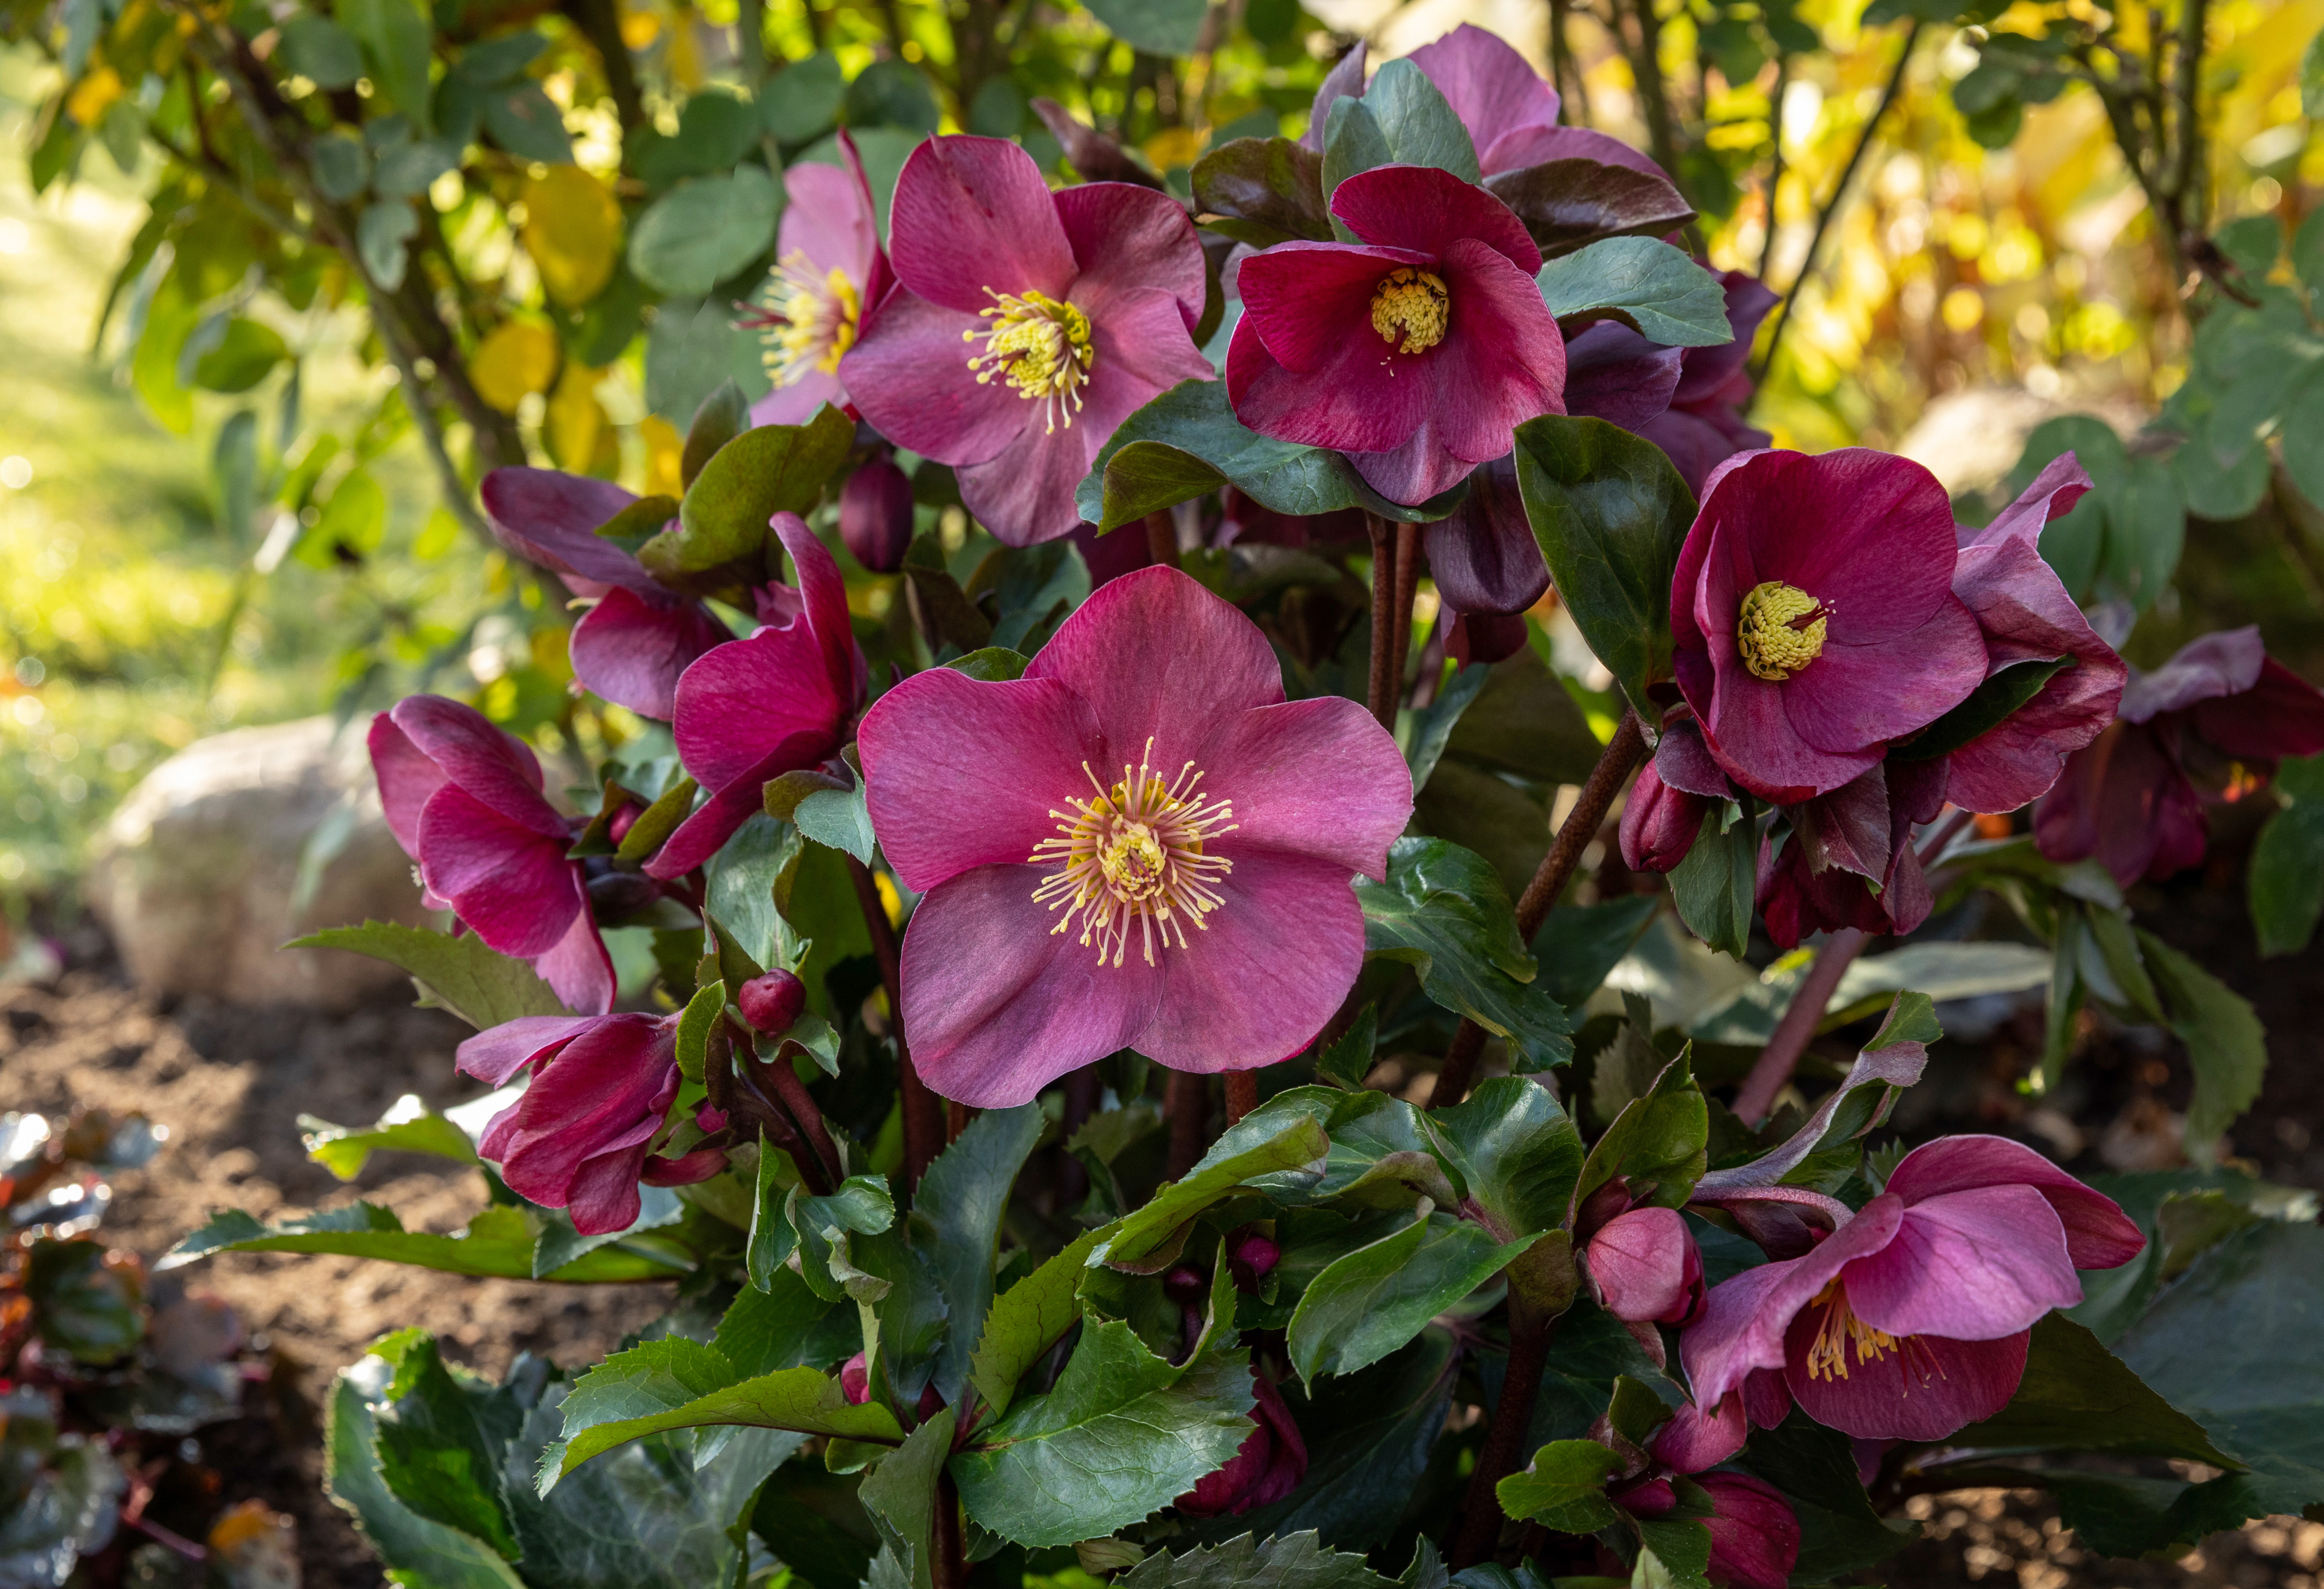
x: 465, y: 801
x: 1755, y: 1535
x: 829, y: 273
x: 1812, y: 617
x: 2216, y: 717
x: 875, y: 514
x: 1848, y: 859
x: 779, y: 701
x: 577, y: 1138
x: 1026, y: 325
x: 1266, y: 1466
x: 637, y: 637
x: 1140, y: 843
x: 1417, y: 351
x: 1482, y: 555
x: 1644, y: 1267
x: 1667, y: 805
x: 1702, y: 425
x: 1911, y: 1320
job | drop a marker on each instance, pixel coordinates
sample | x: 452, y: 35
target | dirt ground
x: 229, y: 1083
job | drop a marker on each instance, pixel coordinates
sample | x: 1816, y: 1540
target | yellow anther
x: 1133, y: 860
x: 1779, y: 630
x: 809, y: 320
x: 1412, y: 303
x: 1040, y: 346
x: 1828, y: 1354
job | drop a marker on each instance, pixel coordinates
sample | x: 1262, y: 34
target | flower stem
x: 1776, y: 1061
x: 1161, y: 539
x: 1622, y: 754
x: 1242, y: 1093
x: 1530, y: 1328
x: 1408, y: 581
x: 948, y: 1569
x: 1380, y: 693
x: 923, y: 1121
x: 799, y: 1105
x: 1187, y: 1103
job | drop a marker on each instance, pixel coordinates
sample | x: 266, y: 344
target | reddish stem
x: 1776, y: 1061
x: 924, y: 1122
x: 1480, y: 1513
x: 1242, y: 1093
x: 1380, y: 694
x: 1162, y: 539
x: 1187, y: 1103
x: 1408, y: 581
x: 948, y: 1569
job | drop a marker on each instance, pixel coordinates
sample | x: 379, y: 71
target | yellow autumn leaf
x: 575, y: 420
x: 518, y: 359
x: 573, y: 231
x: 93, y: 94
x: 665, y: 451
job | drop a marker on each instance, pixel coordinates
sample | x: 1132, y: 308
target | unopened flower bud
x: 1250, y: 1257
x: 772, y: 1002
x: 855, y: 1380
x: 875, y: 515
x: 1186, y: 1286
x: 624, y: 819
x: 1645, y: 1267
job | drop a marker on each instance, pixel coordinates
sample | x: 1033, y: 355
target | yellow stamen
x: 1779, y: 630
x: 1827, y: 1355
x: 1041, y: 346
x: 809, y: 320
x: 1415, y: 303
x: 1134, y: 856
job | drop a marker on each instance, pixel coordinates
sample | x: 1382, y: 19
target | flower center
x: 1827, y: 1355
x: 1413, y: 303
x: 1133, y: 858
x: 809, y: 321
x: 1040, y: 346
x: 1779, y: 630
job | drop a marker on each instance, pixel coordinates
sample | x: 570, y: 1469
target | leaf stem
x: 1776, y: 1061
x: 1530, y: 1328
x: 1622, y: 754
x: 923, y: 1121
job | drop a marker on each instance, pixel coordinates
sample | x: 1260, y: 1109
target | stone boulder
x: 241, y: 842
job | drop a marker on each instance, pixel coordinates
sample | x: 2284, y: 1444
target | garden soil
x: 230, y: 1081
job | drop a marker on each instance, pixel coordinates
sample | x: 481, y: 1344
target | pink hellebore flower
x: 829, y: 273
x: 577, y: 1138
x: 1026, y: 325
x: 1644, y: 1267
x: 1417, y: 352
x: 1910, y: 1321
x: 1814, y: 619
x: 2221, y: 711
x: 1850, y: 860
x: 637, y: 637
x: 1269, y: 1466
x: 465, y: 801
x: 1755, y: 1535
x: 773, y: 703
x: 1192, y: 905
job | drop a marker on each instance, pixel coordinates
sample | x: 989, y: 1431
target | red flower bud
x: 1269, y: 1465
x: 875, y: 515
x: 1644, y: 1267
x: 772, y: 1002
x: 1186, y: 1286
x: 623, y: 820
x: 1251, y: 1256
x: 855, y: 1380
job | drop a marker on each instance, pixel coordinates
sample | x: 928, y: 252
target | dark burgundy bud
x: 1186, y: 1286
x: 617, y: 894
x: 1251, y: 1256
x: 772, y: 1002
x: 855, y: 1380
x: 875, y: 515
x: 931, y: 1403
x: 623, y: 820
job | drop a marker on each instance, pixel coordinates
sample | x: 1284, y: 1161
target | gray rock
x: 241, y: 842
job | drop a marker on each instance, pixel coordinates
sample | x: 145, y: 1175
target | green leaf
x: 425, y: 1551
x: 1282, y: 1561
x: 1578, y: 944
x: 722, y: 542
x: 1437, y: 720
x: 957, y: 1222
x: 1123, y: 1435
x: 900, y: 1494
x: 1649, y: 285
x: 396, y: 37
x: 1352, y: 144
x: 1663, y: 1137
x: 1564, y: 1488
x: 838, y: 818
x: 1027, y: 1319
x: 784, y: 1325
x: 803, y: 98
x: 1443, y: 911
x: 1673, y: 1553
x: 242, y: 359
x: 81, y: 1307
x: 1892, y: 1061
x: 696, y: 235
x: 481, y: 986
x: 559, y: 1245
x: 1269, y: 190
x: 675, y: 1383
x: 994, y: 664
x: 1418, y: 126
x: 2077, y: 1396
x: 1158, y: 27
x: 498, y: 1242
x: 1610, y: 513
x: 2286, y: 880
x: 439, y: 1457
x: 1714, y: 886
x: 1259, y: 1146
x: 724, y: 415
x: 1374, y: 1299
x: 1347, y: 1059
x: 1516, y: 1150
x: 322, y: 52
x: 2226, y: 1046
x: 409, y: 1128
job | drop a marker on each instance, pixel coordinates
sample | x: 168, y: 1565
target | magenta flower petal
x: 1310, y: 777
x: 1644, y: 1267
x: 578, y: 969
x: 1483, y: 555
x: 1932, y: 1389
x: 823, y: 591
x: 631, y: 651
x: 1511, y: 355
x: 1537, y: 146
x: 1659, y: 823
x: 1127, y: 238
x: 517, y: 890
x: 1266, y: 1466
x: 796, y: 403
x: 577, y: 1138
x: 1140, y: 352
x: 1300, y: 299
x: 909, y: 376
x: 1291, y: 926
x: 1755, y: 1536
x: 1743, y: 1319
x: 1613, y: 373
x: 830, y: 220
x: 1971, y: 1265
x: 940, y: 737
x: 1427, y: 211
x: 2280, y: 715
x: 2099, y: 1234
x: 1692, y: 1440
x: 492, y: 767
x: 762, y: 697
x: 2124, y: 799
x: 499, y: 1052
x: 1488, y: 84
x: 407, y: 778
x: 551, y: 519
x: 998, y: 1003
x: 2225, y: 663
x: 1345, y: 80
x: 971, y: 216
x: 1351, y: 405
x: 1158, y: 657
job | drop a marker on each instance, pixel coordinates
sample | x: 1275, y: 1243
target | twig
x: 1480, y: 1513
x: 797, y: 1102
x: 949, y: 1567
x: 1776, y: 166
x: 1776, y: 1061
x: 923, y: 1121
x: 1838, y: 196
x: 1549, y: 880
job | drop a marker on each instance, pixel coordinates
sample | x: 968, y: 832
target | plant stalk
x: 1481, y: 1514
x: 1379, y: 694
x: 1408, y: 583
x: 1622, y: 754
x: 949, y: 1567
x: 1188, y: 1102
x: 1777, y: 1060
x: 1242, y: 1093
x: 924, y: 1120
x: 1161, y: 539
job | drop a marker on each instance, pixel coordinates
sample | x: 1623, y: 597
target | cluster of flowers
x: 1141, y: 843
